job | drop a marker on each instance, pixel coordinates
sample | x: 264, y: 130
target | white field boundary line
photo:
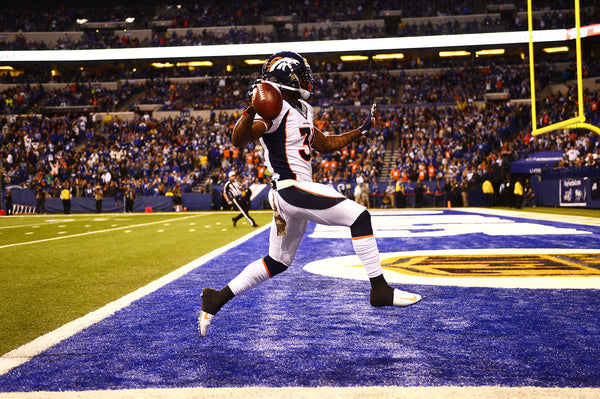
x: 26, y: 352
x: 87, y: 233
x: 549, y: 217
x: 371, y: 392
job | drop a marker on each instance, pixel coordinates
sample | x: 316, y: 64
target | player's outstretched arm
x: 326, y: 144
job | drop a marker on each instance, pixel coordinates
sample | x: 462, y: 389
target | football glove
x: 249, y: 93
x: 368, y: 123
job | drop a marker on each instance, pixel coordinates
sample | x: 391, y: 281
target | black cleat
x: 389, y: 296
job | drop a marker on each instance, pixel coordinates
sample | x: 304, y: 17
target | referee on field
x: 233, y: 195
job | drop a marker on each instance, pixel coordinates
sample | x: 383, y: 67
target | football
x: 267, y: 100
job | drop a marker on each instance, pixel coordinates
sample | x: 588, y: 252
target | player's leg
x: 365, y: 246
x: 322, y: 204
x: 282, y: 250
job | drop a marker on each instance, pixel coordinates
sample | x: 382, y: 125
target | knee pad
x: 362, y: 225
x: 273, y: 267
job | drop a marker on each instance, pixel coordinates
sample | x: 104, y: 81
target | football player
x: 287, y: 141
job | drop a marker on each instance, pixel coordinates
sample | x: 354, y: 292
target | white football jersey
x: 287, y: 144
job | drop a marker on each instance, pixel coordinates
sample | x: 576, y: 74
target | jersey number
x: 305, y: 152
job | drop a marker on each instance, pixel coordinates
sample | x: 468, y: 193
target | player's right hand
x: 251, y: 89
x: 368, y: 123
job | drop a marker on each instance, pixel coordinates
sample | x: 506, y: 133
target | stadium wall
x: 191, y: 201
x: 581, y: 192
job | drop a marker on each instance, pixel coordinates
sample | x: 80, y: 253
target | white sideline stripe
x: 551, y: 217
x: 26, y: 352
x: 94, y: 232
x: 373, y: 392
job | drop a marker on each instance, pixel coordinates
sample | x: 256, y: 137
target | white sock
x: 252, y: 275
x: 368, y: 253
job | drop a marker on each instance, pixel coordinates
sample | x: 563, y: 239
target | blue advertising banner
x: 535, y: 162
x: 573, y: 192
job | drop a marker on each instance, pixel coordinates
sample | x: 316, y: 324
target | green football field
x: 57, y: 268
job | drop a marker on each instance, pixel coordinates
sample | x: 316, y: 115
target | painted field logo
x: 500, y: 268
x: 471, y: 266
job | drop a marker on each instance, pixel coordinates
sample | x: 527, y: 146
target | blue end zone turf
x: 305, y: 329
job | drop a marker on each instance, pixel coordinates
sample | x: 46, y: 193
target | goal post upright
x: 579, y: 120
x: 531, y: 68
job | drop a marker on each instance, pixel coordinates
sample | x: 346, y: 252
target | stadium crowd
x: 445, y: 86
x: 432, y: 142
x: 441, y: 86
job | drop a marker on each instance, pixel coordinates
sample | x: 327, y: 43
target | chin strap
x: 304, y: 94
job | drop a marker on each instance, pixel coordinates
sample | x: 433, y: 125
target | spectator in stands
x: 389, y: 196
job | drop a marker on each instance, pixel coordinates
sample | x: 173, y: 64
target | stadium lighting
x: 81, y: 21
x: 460, y: 53
x: 6, y: 68
x: 388, y: 56
x: 354, y: 57
x: 254, y: 61
x: 162, y: 65
x: 195, y: 63
x: 497, y: 51
x: 562, y: 49
x: 129, y: 20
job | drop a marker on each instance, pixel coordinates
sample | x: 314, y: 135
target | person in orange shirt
x: 395, y: 174
x: 431, y: 171
x: 333, y: 165
x: 404, y: 175
x: 261, y: 173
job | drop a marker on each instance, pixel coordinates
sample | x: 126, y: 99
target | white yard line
x: 26, y: 352
x: 95, y: 232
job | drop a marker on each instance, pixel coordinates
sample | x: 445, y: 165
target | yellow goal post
x: 577, y: 122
